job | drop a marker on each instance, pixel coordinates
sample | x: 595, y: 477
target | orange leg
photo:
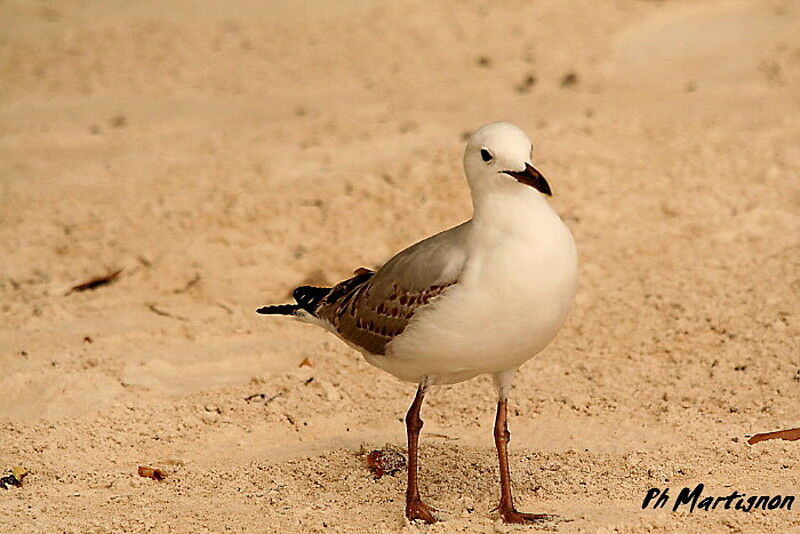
x: 415, y: 508
x: 506, y: 507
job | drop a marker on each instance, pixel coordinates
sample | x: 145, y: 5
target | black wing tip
x: 308, y: 297
x: 280, y: 309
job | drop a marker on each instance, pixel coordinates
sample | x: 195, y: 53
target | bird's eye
x: 485, y: 155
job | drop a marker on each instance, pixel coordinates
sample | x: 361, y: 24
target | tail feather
x: 307, y: 298
x: 280, y: 309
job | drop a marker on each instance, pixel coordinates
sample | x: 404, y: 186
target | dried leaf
x: 789, y: 435
x: 306, y: 363
x: 19, y: 473
x: 386, y: 462
x: 151, y: 472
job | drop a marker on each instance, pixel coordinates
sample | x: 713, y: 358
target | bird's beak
x: 533, y: 178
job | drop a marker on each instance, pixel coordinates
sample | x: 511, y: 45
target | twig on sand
x: 443, y: 436
x: 158, y: 311
x: 224, y: 307
x: 95, y: 282
x: 262, y: 396
x: 789, y: 435
x: 188, y: 285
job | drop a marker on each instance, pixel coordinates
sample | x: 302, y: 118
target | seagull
x: 481, y: 298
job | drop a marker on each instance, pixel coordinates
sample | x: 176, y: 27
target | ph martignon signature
x: 693, y: 498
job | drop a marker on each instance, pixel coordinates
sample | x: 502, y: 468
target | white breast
x: 515, y: 291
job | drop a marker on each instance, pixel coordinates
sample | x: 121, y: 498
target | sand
x: 222, y: 153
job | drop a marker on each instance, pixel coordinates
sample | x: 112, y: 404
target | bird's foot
x: 521, y: 518
x: 416, y: 510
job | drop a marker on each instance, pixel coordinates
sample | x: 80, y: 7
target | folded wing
x: 372, y: 308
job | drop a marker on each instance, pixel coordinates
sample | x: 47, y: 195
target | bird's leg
x: 501, y: 438
x: 415, y: 508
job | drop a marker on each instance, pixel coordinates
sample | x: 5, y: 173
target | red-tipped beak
x: 533, y: 178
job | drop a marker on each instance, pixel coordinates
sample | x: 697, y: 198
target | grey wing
x: 371, y: 309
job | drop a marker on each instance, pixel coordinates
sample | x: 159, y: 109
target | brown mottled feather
x: 372, y: 308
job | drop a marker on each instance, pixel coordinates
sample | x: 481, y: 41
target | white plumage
x: 481, y: 298
x: 513, y: 267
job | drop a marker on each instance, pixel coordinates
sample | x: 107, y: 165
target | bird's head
x: 498, y: 155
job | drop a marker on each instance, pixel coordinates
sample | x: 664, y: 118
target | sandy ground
x: 222, y: 153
